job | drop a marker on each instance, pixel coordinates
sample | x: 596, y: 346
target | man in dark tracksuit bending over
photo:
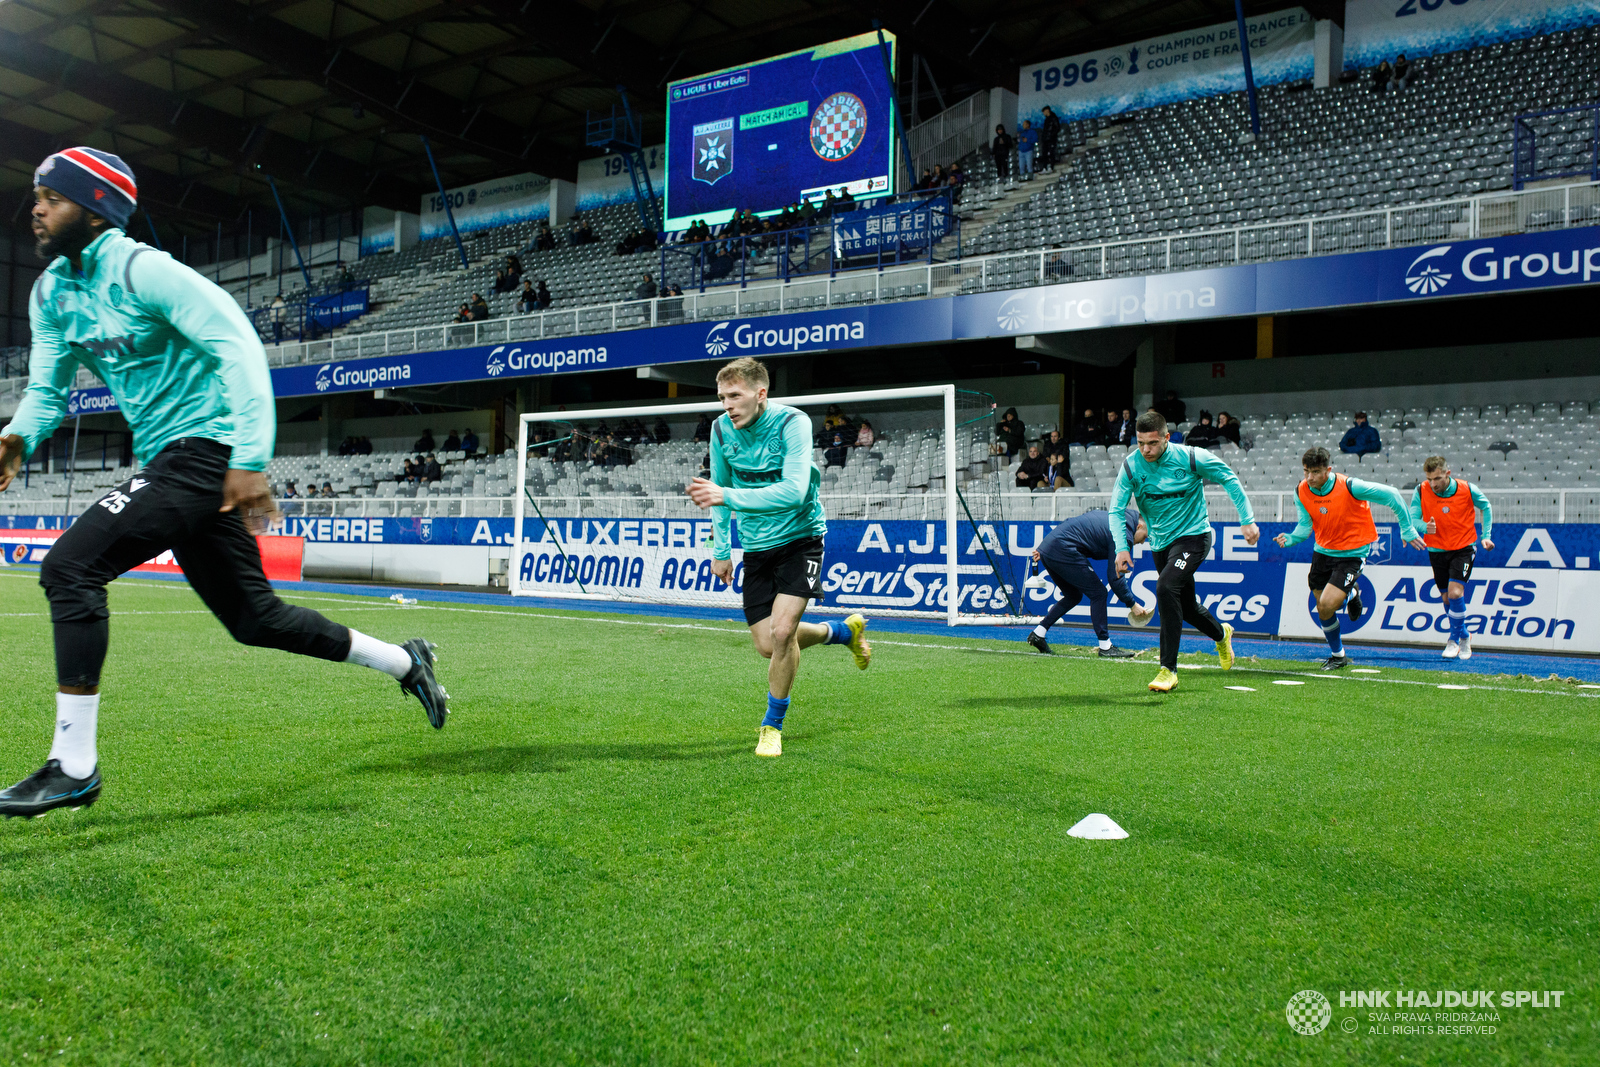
x: 1065, y: 554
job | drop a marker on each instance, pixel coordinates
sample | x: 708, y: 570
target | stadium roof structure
x: 331, y: 98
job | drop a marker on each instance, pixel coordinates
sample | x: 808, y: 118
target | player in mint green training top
x: 1345, y: 535
x: 190, y: 375
x: 1167, y: 481
x: 761, y: 473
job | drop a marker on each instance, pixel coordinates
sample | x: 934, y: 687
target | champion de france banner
x: 500, y: 202
x: 1163, y: 70
x: 1375, y: 30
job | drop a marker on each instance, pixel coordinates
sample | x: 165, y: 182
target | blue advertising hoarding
x: 1556, y: 258
x: 766, y: 135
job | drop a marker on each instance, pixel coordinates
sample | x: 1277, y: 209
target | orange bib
x: 1339, y: 521
x: 1455, y: 516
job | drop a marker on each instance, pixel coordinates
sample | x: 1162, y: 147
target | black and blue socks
x: 1330, y: 630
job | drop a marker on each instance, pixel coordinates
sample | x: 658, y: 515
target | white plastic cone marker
x: 1374, y: 670
x: 1455, y: 687
x: 1239, y: 688
x: 1097, y: 827
x: 1282, y: 681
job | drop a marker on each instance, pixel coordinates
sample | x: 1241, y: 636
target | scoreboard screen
x: 764, y: 135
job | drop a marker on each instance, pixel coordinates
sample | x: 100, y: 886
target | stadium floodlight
x: 630, y: 543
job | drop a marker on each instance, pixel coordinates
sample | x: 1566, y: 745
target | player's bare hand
x: 723, y: 570
x: 1036, y: 555
x: 1282, y: 540
x: 1252, y: 533
x: 1432, y: 527
x: 11, y: 448
x: 1124, y: 562
x: 1488, y: 545
x: 705, y: 493
x: 248, y: 493
x: 1419, y: 544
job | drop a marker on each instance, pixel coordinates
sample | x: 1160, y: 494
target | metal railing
x: 951, y: 134
x: 1553, y: 505
x: 1486, y: 215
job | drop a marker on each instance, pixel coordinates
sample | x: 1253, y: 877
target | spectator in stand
x: 527, y: 300
x: 347, y: 447
x: 311, y: 491
x: 364, y: 446
x: 702, y: 429
x: 545, y: 239
x: 1001, y: 148
x: 1126, y: 435
x: 926, y: 181
x: 412, y: 473
x: 1027, y: 140
x: 646, y: 289
x: 1088, y: 430
x: 938, y: 176
x: 1032, y: 472
x: 1059, y: 474
x: 452, y: 442
x: 674, y: 289
x: 846, y: 200
x: 836, y: 453
x: 430, y: 470
x: 1382, y: 77
x: 1227, y: 427
x: 1360, y: 439
x: 277, y: 313
x: 833, y: 418
x: 424, y: 443
x: 663, y: 432
x: 469, y: 442
x: 864, y: 435
x: 1009, y: 434
x: 1049, y: 138
x: 1057, y: 266
x: 953, y: 184
x: 1172, y: 409
x: 1402, y: 71
x: 465, y: 314
x: 580, y: 232
x: 506, y: 279
x: 544, y: 295
x: 327, y: 490
x: 1052, y: 443
x: 1204, y: 434
x: 480, y: 308
x: 290, y: 492
x: 1110, y: 428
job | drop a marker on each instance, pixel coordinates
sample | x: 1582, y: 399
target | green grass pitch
x: 588, y: 865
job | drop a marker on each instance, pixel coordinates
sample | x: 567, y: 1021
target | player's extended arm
x: 1121, y: 493
x: 1302, y: 529
x: 1485, y: 515
x: 51, y: 368
x: 787, y: 492
x: 721, y: 517
x: 1389, y: 497
x: 1119, y: 585
x: 1415, y: 511
x: 1213, y: 469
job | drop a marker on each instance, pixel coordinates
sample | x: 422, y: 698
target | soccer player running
x: 1337, y: 510
x: 190, y: 375
x: 1168, y: 483
x: 761, y: 471
x: 1065, y: 554
x: 1442, y: 506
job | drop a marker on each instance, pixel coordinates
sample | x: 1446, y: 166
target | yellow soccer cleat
x: 1166, y: 681
x: 1225, y: 648
x: 771, y: 743
x: 858, y: 640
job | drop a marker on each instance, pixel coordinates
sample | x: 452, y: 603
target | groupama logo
x: 1011, y: 315
x: 1430, y: 279
x: 323, y: 377
x: 716, y: 344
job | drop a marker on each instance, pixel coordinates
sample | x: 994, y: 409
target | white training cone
x: 1097, y: 827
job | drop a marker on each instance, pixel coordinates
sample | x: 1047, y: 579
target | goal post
x: 601, y: 513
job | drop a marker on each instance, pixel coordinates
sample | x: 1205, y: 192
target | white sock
x: 1105, y: 642
x: 77, y: 717
x: 1041, y: 631
x: 379, y: 655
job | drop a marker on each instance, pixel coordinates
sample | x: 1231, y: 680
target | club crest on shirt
x: 1323, y: 511
x: 1447, y: 509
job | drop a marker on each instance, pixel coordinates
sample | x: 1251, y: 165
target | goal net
x: 602, y: 513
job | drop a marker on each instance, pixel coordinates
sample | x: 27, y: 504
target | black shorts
x: 793, y: 569
x: 1452, y: 566
x: 1339, y: 571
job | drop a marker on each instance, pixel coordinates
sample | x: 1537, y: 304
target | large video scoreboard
x: 764, y: 135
